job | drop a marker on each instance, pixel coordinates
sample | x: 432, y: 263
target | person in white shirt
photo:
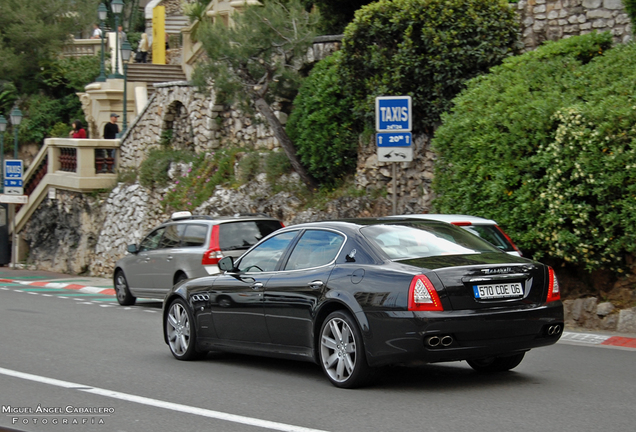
x: 97, y: 32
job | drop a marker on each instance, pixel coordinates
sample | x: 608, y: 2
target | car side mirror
x: 132, y: 248
x: 226, y: 264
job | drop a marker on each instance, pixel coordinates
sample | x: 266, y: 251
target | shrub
x: 276, y: 165
x: 321, y: 124
x: 194, y: 186
x: 153, y: 171
x: 546, y: 145
x: 424, y: 48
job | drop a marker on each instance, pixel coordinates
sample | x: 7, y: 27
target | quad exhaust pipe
x: 554, y: 330
x: 435, y: 341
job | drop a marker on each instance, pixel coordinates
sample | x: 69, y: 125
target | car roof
x: 222, y: 219
x: 450, y: 218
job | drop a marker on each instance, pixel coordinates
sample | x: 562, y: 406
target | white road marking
x: 583, y: 338
x: 265, y: 424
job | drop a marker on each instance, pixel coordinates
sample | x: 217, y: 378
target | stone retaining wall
x: 589, y: 313
x: 196, y: 121
x: 543, y: 20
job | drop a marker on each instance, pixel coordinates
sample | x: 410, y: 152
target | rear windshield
x: 491, y: 234
x: 420, y: 239
x: 245, y: 234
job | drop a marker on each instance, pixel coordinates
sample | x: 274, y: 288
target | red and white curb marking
x: 598, y: 339
x: 68, y: 286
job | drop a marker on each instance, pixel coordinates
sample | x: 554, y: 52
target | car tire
x: 181, y: 332
x: 496, y: 364
x: 124, y: 297
x: 341, y: 351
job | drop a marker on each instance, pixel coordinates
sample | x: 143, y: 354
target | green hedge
x: 424, y: 48
x: 546, y: 145
x: 321, y: 124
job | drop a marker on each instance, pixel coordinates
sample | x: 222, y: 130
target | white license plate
x: 497, y: 291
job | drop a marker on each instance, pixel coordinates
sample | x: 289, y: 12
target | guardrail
x: 80, y: 165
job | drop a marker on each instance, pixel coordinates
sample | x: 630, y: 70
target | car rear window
x: 419, y: 239
x: 491, y: 234
x: 245, y: 234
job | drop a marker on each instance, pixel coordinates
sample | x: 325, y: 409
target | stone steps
x: 154, y: 73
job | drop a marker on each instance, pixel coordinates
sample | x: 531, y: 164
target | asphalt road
x: 60, y: 348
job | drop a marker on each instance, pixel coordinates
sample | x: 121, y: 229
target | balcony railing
x: 81, y: 165
x: 82, y: 47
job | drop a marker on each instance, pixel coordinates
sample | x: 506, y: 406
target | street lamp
x: 16, y: 118
x: 126, y: 49
x: 102, y: 12
x: 3, y: 128
x: 117, y: 6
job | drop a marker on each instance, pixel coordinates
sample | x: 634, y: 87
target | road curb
x: 69, y: 286
x: 598, y: 339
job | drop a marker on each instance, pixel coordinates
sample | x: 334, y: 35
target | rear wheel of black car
x: 124, y: 297
x: 496, y: 364
x: 180, y: 331
x: 341, y: 351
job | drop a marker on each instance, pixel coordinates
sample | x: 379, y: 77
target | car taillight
x: 423, y: 296
x: 509, y: 240
x: 553, y: 287
x: 213, y: 255
x: 461, y: 223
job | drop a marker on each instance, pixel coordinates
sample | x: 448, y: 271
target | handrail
x: 80, y: 165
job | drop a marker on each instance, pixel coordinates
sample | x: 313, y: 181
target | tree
x: 34, y: 32
x: 424, y: 48
x: 335, y: 14
x: 257, y: 60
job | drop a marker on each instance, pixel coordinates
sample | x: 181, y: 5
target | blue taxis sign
x: 393, y: 114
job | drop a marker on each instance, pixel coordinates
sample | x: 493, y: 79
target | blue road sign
x: 12, y: 183
x: 13, y: 169
x: 393, y: 114
x: 394, y: 139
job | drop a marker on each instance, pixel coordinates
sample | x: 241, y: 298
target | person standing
x: 111, y: 129
x: 143, y: 47
x: 97, y: 32
x: 78, y: 131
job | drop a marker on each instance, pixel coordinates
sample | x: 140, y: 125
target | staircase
x: 154, y: 73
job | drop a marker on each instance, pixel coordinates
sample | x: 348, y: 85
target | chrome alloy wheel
x: 178, y: 329
x: 338, y: 350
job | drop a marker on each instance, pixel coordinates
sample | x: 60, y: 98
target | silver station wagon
x: 185, y: 247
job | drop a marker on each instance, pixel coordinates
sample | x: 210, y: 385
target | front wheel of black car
x: 341, y: 351
x: 180, y: 331
x: 496, y: 364
x: 124, y: 297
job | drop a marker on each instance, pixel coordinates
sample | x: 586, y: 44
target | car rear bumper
x: 399, y: 337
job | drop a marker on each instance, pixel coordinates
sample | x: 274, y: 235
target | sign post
x: 13, y: 194
x: 393, y: 122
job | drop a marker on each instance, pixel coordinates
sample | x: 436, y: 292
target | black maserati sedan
x: 357, y: 294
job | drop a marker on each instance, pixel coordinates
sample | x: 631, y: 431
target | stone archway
x: 176, y: 126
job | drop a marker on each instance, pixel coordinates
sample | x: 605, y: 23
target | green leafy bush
x: 60, y: 130
x: 630, y: 8
x: 426, y: 49
x: 546, y: 145
x: 321, y: 124
x: 196, y: 184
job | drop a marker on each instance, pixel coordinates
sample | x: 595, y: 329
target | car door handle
x: 257, y: 285
x: 169, y: 257
x: 317, y: 284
